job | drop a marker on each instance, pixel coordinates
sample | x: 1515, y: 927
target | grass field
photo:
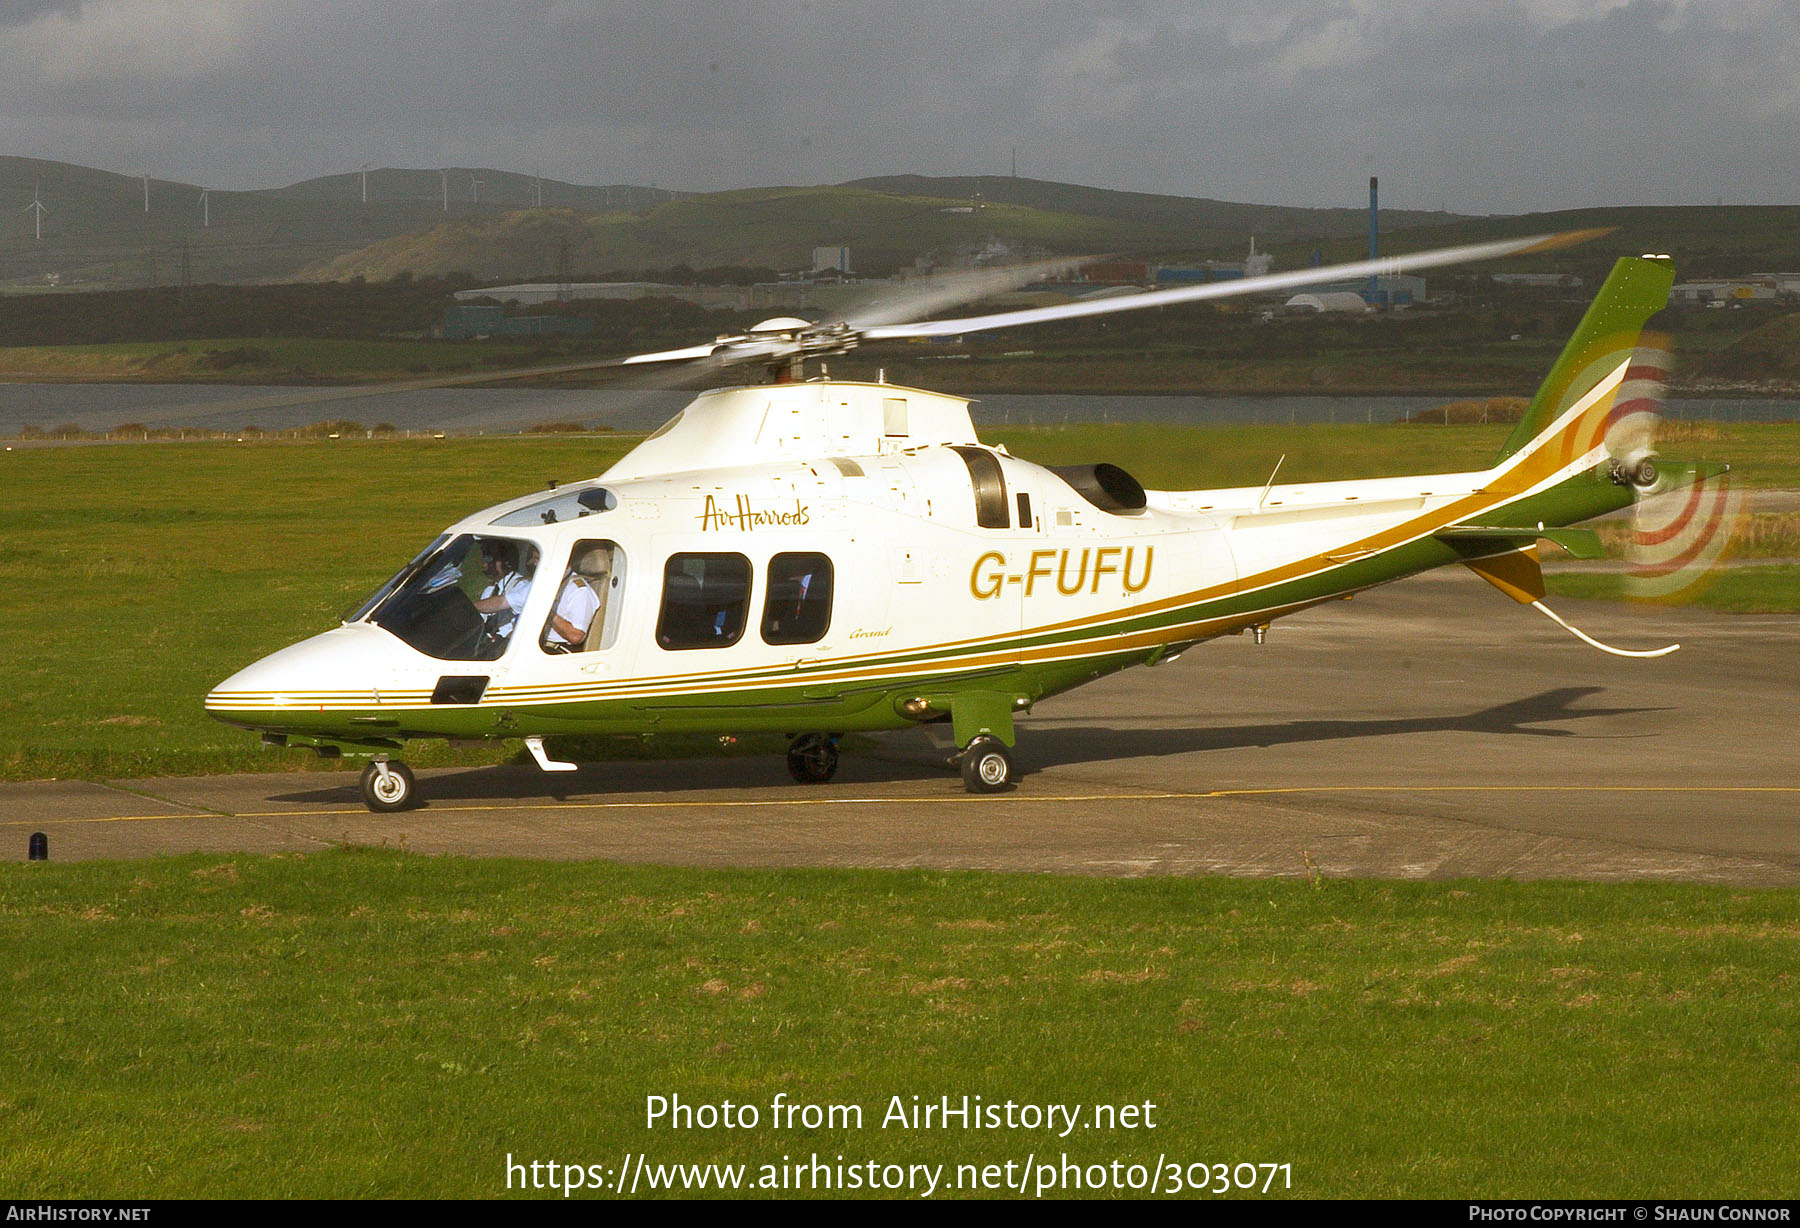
x: 138, y: 576
x: 1762, y: 455
x: 370, y: 1022
x: 1739, y: 590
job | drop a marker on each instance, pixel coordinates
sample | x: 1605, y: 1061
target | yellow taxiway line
x: 947, y: 799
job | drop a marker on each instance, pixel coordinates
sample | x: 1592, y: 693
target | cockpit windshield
x: 460, y: 600
x: 398, y: 578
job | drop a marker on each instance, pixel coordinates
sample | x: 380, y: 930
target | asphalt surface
x: 1432, y: 729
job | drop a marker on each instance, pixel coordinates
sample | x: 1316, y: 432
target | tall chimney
x: 1373, y: 246
x: 1372, y: 292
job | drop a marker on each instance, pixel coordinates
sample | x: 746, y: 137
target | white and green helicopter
x: 816, y: 557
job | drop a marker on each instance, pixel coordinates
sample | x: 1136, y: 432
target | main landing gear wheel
x: 812, y: 758
x: 387, y: 786
x: 986, y: 766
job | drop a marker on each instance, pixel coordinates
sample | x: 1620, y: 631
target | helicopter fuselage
x: 834, y: 556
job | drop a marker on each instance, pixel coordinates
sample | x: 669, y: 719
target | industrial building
x: 469, y: 320
x: 1547, y: 281
x: 530, y: 293
x: 1327, y: 300
x: 1401, y: 290
x: 1718, y: 293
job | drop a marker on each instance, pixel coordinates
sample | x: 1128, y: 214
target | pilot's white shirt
x: 577, y: 604
x: 515, y: 588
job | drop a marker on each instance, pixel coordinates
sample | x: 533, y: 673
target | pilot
x: 575, y: 608
x: 504, y: 597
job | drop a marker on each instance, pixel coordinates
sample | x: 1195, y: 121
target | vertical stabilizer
x: 1609, y: 333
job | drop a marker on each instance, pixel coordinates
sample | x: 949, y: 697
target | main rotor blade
x: 925, y: 296
x: 682, y: 355
x: 353, y: 392
x: 1384, y: 267
x: 910, y: 301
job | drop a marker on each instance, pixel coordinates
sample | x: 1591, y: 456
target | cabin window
x: 569, y: 503
x: 705, y: 602
x: 461, y: 601
x: 584, y: 616
x: 990, y: 487
x: 797, y: 605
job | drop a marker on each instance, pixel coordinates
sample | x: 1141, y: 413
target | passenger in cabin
x: 503, y: 599
x: 797, y: 611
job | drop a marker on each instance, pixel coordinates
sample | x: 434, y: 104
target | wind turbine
x: 146, y: 191
x: 205, y: 207
x: 365, y: 183
x: 445, y: 176
x: 474, y: 190
x: 37, y: 206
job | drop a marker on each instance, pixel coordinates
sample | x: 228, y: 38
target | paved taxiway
x: 1429, y: 729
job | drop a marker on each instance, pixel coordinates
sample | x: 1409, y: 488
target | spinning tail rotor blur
x: 1685, y: 517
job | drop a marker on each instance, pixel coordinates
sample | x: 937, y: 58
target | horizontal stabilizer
x: 1482, y: 539
x: 1673, y: 475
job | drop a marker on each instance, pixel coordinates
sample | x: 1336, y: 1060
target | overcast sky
x: 1502, y: 106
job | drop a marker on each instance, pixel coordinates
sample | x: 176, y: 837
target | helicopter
x: 816, y: 557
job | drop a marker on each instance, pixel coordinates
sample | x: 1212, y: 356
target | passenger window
x: 797, y: 607
x: 706, y: 601
x: 580, y: 620
x: 990, y: 487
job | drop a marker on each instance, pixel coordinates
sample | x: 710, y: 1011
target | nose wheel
x: 388, y: 785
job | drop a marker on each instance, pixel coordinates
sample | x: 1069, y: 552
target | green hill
x: 1209, y: 223
x: 765, y: 227
x: 96, y: 231
x: 1768, y: 354
x: 489, y: 223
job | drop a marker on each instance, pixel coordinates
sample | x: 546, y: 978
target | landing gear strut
x: 812, y: 758
x: 388, y: 785
x: 986, y: 765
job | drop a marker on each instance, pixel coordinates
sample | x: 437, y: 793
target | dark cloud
x: 18, y: 12
x: 1493, y: 107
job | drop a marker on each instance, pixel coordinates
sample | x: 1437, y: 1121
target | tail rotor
x: 1684, y: 516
